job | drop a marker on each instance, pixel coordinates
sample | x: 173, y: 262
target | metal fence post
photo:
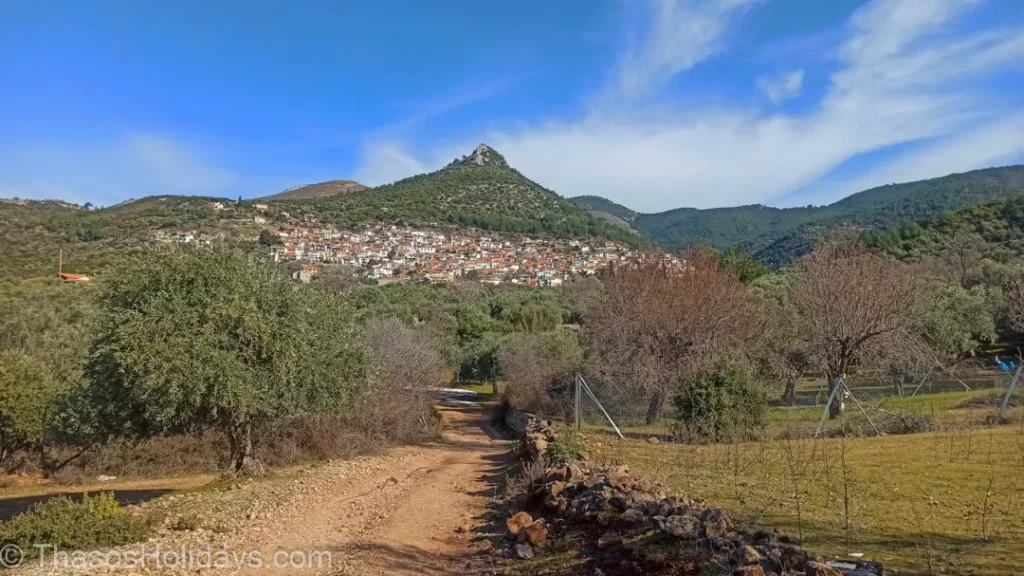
x: 576, y: 402
x: 835, y: 389
x: 1009, y: 392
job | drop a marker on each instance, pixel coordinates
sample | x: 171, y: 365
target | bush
x: 566, y: 448
x: 534, y: 364
x: 95, y: 522
x: 718, y: 405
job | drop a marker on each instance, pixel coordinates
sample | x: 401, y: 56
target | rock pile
x: 639, y: 528
x: 536, y: 437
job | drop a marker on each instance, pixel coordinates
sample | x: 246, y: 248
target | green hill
x: 33, y: 232
x: 777, y: 235
x: 479, y: 190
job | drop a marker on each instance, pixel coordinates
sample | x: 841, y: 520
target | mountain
x: 777, y: 235
x: 319, y: 190
x: 479, y: 190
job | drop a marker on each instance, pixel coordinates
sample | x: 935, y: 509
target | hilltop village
x: 393, y: 254
x: 389, y: 253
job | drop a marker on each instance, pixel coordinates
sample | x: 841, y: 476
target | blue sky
x: 653, y: 103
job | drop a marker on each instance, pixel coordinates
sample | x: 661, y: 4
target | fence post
x: 831, y: 397
x: 1009, y: 392
x: 576, y: 402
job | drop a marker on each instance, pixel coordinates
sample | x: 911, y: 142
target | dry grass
x: 936, y: 503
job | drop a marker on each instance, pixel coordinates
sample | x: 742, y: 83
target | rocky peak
x: 482, y: 155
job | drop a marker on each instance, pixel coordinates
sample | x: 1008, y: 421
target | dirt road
x: 418, y: 517
x: 416, y: 510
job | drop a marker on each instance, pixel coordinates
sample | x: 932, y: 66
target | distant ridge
x: 319, y: 190
x: 777, y: 235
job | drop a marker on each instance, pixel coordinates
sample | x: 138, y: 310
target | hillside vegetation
x: 479, y: 190
x: 980, y: 244
x: 33, y: 232
x: 778, y: 235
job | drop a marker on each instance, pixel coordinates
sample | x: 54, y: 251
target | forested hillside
x: 777, y: 235
x: 479, y: 190
x: 976, y: 241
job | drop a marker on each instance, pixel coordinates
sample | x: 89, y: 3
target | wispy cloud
x: 900, y: 77
x: 105, y: 173
x: 680, y: 34
x: 778, y: 88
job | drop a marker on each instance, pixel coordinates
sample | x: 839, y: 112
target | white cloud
x: 900, y: 78
x: 778, y: 88
x: 682, y: 33
x: 997, y: 143
x: 134, y: 166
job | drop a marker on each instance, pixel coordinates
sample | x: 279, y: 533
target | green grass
x: 484, y: 389
x: 946, y: 409
x: 943, y: 503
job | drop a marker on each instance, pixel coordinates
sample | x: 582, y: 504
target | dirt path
x: 418, y: 517
x: 416, y: 510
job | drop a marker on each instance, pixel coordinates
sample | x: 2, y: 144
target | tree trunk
x: 835, y: 409
x: 242, y: 459
x: 656, y: 405
x: 789, y: 394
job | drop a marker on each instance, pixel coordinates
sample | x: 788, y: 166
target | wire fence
x: 935, y: 398
x: 923, y: 471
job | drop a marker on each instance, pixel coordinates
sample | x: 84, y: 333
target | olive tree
x: 196, y: 339
x: 782, y: 348
x: 28, y: 398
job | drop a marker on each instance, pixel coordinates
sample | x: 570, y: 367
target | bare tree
x: 407, y: 364
x: 535, y: 365
x: 858, y: 309
x: 654, y: 325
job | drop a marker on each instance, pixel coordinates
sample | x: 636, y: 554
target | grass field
x: 936, y: 503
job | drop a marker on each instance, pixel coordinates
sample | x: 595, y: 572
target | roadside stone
x: 715, y: 522
x: 792, y: 558
x: 517, y: 522
x: 813, y: 568
x: 609, y: 538
x: 633, y: 516
x: 537, y: 533
x: 680, y: 526
x: 746, y: 555
x: 556, y: 488
x: 654, y: 440
x: 524, y: 551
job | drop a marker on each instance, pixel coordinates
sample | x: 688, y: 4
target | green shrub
x: 95, y: 522
x: 566, y: 448
x: 187, y: 523
x: 718, y: 405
